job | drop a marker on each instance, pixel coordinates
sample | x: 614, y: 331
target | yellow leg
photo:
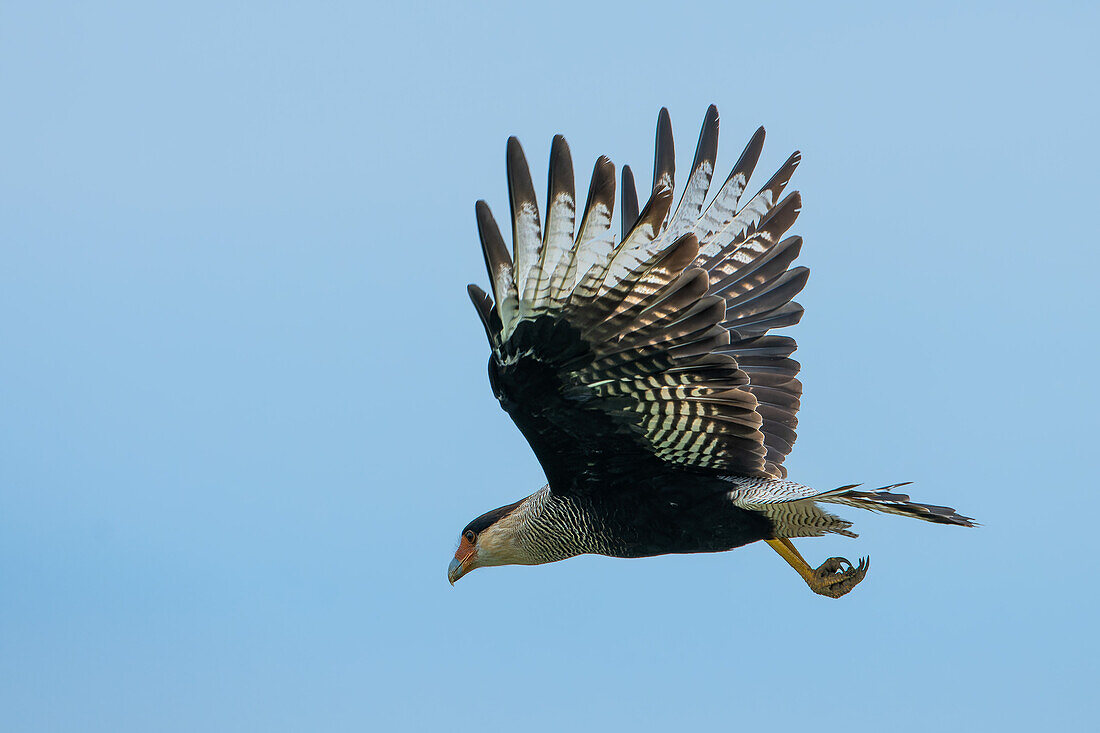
x: 831, y: 579
x: 787, y: 551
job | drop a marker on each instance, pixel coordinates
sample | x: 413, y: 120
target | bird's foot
x: 836, y: 576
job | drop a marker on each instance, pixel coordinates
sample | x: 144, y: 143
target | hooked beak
x: 456, y: 570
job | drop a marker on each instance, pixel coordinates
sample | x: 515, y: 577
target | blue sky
x: 243, y: 404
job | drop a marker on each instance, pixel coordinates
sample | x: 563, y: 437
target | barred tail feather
x: 886, y: 501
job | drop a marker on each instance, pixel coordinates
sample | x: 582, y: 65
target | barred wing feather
x: 611, y: 356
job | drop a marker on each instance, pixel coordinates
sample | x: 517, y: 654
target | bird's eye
x: 470, y: 536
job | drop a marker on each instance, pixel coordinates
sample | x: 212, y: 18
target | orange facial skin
x: 464, y: 557
x: 465, y: 550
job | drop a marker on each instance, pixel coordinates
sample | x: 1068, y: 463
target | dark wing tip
x: 629, y: 204
x: 519, y: 174
x: 707, y: 147
x: 746, y: 162
x: 517, y: 161
x: 559, y: 153
x: 561, y: 166
x: 483, y: 304
x: 487, y: 226
x: 664, y: 154
x: 492, y: 243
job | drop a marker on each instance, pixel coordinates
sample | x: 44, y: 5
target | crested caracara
x: 643, y: 374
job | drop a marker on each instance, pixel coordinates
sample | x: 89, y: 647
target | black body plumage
x: 611, y: 494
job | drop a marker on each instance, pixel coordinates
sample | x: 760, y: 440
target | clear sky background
x: 243, y: 403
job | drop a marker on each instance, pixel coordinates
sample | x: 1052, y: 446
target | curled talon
x: 832, y: 566
x: 837, y: 576
x: 833, y: 578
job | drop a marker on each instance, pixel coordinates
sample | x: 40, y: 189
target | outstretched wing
x: 613, y: 357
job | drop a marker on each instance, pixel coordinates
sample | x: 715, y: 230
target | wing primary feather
x: 629, y: 215
x: 526, y: 227
x: 593, y: 244
x: 702, y: 171
x: 498, y: 262
x: 560, y: 218
x: 664, y: 154
x: 483, y: 304
x: 560, y: 185
x: 600, y: 206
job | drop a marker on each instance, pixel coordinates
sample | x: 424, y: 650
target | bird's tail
x: 795, y: 512
x: 887, y: 501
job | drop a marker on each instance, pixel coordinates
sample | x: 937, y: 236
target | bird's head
x: 491, y: 539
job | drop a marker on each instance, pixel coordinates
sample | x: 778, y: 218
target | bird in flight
x: 643, y: 374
